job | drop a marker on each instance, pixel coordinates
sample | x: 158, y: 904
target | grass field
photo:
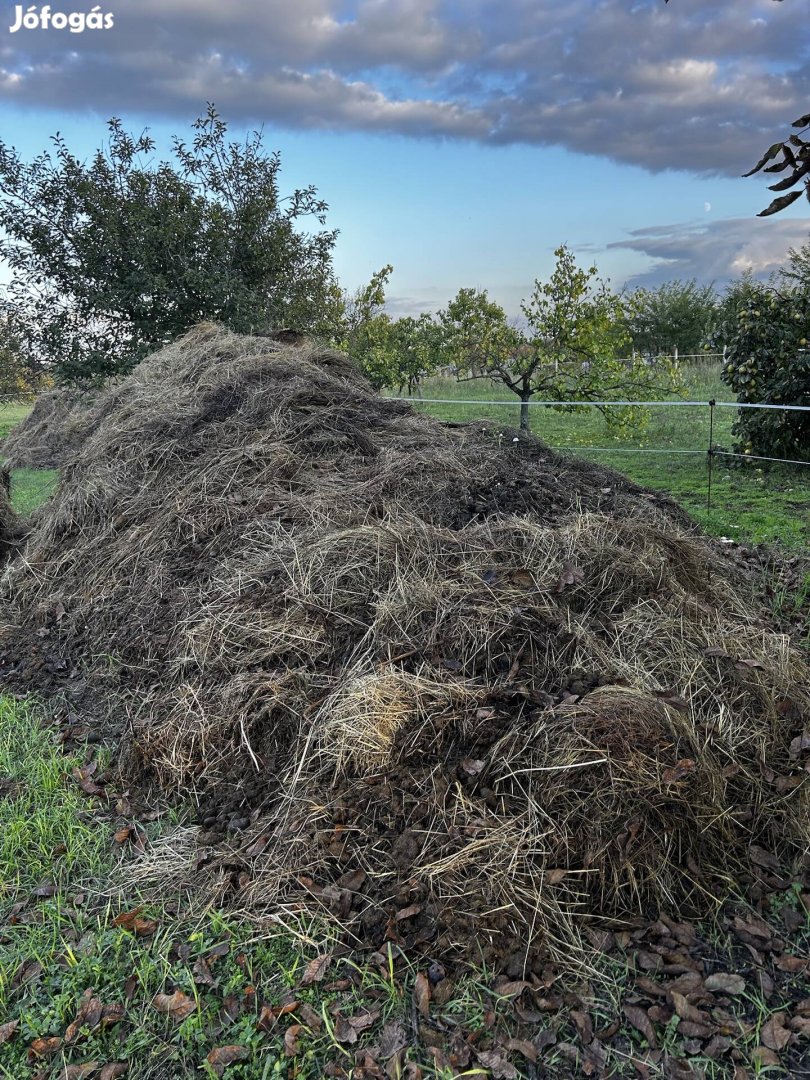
x: 749, y: 502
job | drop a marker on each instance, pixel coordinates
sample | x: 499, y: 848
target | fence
x: 710, y: 452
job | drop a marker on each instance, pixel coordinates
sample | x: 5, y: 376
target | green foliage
x: 393, y: 353
x: 793, y: 154
x: 768, y: 361
x: 677, y: 315
x: 18, y: 378
x: 571, y: 348
x: 478, y: 340
x: 117, y: 256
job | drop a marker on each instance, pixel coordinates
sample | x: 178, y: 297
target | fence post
x: 712, y: 404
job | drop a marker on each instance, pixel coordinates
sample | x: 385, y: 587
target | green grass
x: 748, y: 502
x: 10, y: 416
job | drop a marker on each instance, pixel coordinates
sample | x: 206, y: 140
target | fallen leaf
x: 499, y: 1067
x: 312, y: 1019
x: 569, y: 575
x: 421, y: 994
x: 678, y: 771
x: 89, y: 1016
x: 316, y: 970
x: 408, y: 912
x: 202, y: 972
x: 26, y: 973
x: 134, y: 921
x: 44, y: 1047
x: 112, y: 1070
x: 522, y: 1047
x: 763, y: 1055
x: 774, y: 1034
x: 223, y: 1056
x: 80, y: 1071
x: 291, y: 1040
x: 177, y: 1005
x: 641, y: 1022
x: 7, y: 1030
x: 763, y: 858
x: 725, y: 983
x: 44, y: 891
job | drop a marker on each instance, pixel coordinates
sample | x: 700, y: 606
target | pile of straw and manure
x: 52, y: 432
x: 11, y: 528
x: 451, y: 687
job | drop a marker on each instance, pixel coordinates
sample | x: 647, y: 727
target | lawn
x: 749, y: 502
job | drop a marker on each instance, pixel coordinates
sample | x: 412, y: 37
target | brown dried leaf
x: 641, y: 1022
x: 80, y: 1071
x: 774, y: 1034
x: 499, y: 1067
x: 725, y: 983
x: 312, y: 1019
x: 26, y: 973
x: 522, y: 1047
x: 113, y: 1069
x: 223, y: 1056
x: 408, y: 912
x: 678, y: 771
x: 45, y: 1047
x: 7, y: 1030
x: 177, y: 1005
x: 89, y: 1016
x: 763, y: 858
x: 291, y: 1039
x: 763, y: 1055
x: 421, y: 994
x: 134, y: 921
x: 316, y: 970
x: 202, y: 973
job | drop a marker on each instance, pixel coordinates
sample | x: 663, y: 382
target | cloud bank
x: 690, y: 85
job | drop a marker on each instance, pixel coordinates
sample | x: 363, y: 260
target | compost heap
x: 11, y: 530
x: 52, y: 432
x: 455, y: 689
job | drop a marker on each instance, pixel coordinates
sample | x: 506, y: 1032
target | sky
x: 461, y: 141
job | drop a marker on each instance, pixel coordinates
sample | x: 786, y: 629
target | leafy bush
x: 766, y: 331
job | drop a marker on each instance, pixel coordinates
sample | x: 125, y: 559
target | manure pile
x: 455, y: 689
x: 53, y: 430
x: 10, y: 527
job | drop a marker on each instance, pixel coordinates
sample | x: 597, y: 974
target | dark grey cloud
x: 718, y: 251
x: 692, y: 85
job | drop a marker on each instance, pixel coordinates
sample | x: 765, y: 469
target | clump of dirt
x: 450, y: 687
x: 52, y: 432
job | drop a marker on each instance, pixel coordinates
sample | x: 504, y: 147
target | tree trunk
x: 524, y: 413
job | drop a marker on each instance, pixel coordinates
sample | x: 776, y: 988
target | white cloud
x: 691, y: 85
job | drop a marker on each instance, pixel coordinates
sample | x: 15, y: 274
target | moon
x: 707, y: 206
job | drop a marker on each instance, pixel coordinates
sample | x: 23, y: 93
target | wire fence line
x: 710, y: 452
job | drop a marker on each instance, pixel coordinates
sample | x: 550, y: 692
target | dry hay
x: 467, y: 692
x: 11, y: 528
x: 52, y: 432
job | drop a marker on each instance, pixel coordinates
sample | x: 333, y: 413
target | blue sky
x: 462, y: 144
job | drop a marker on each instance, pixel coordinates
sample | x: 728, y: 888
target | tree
x: 117, y: 256
x: 677, y: 315
x: 570, y: 350
x: 18, y: 378
x: 767, y: 361
x: 417, y: 350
